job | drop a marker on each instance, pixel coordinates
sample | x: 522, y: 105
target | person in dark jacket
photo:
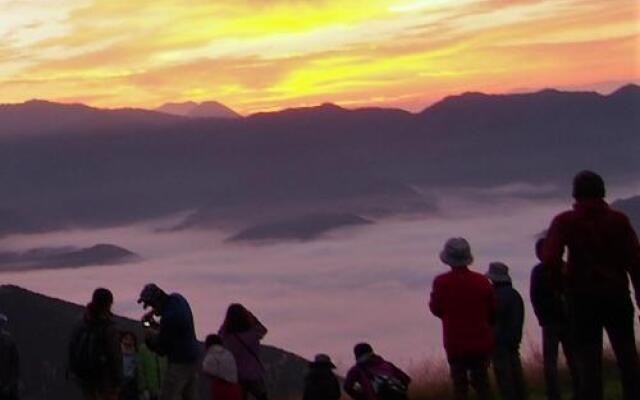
x: 550, y: 309
x: 241, y: 333
x: 9, y: 363
x: 465, y: 302
x: 174, y: 337
x: 104, y: 353
x: 321, y: 383
x: 372, y: 375
x: 507, y: 329
x: 603, y: 253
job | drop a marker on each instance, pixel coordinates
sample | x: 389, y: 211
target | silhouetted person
x: 129, y: 347
x: 174, y: 336
x: 321, y: 383
x: 241, y: 333
x: 465, y: 302
x: 220, y: 366
x: 9, y: 363
x: 374, y: 378
x: 95, y: 357
x: 550, y: 309
x: 603, y: 252
x: 507, y: 329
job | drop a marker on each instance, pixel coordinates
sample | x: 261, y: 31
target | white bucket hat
x: 456, y: 253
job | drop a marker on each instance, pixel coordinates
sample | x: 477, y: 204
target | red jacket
x: 465, y: 301
x: 603, y: 250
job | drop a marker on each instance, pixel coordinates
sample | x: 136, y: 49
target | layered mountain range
x: 67, y: 166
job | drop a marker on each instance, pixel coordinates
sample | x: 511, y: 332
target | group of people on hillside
x: 574, y: 302
x: 482, y: 317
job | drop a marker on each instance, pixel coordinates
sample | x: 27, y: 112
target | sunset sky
x: 259, y: 55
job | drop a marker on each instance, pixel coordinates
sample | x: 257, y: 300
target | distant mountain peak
x: 206, y: 109
x: 630, y: 89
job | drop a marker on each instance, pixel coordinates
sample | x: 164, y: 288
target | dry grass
x: 433, y: 383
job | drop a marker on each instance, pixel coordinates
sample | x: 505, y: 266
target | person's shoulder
x: 564, y: 216
x: 619, y: 216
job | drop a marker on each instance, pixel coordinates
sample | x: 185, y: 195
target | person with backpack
x: 173, y: 336
x: 95, y: 357
x: 321, y: 383
x: 9, y: 363
x: 220, y: 366
x: 549, y: 306
x: 603, y: 256
x: 465, y: 302
x: 151, y: 370
x: 129, y: 346
x: 374, y: 378
x: 507, y: 329
x: 241, y: 333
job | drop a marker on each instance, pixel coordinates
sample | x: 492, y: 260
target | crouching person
x: 374, y: 378
x: 321, y: 383
x: 220, y: 366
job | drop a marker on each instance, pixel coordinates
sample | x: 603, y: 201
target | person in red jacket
x: 465, y: 302
x: 603, y: 253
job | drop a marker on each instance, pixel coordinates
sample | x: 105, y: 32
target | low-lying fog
x: 368, y: 283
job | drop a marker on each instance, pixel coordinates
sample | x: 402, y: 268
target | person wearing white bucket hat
x: 465, y: 302
x: 509, y: 321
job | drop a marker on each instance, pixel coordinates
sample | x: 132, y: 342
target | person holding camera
x: 169, y: 331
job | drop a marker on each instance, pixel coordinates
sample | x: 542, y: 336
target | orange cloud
x: 258, y: 55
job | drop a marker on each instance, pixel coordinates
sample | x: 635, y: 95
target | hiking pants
x: 552, y: 337
x: 507, y: 368
x: 589, y: 317
x: 470, y: 370
x: 180, y: 382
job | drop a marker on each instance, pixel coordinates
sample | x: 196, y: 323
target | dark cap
x: 150, y: 294
x: 588, y: 185
x: 322, y: 360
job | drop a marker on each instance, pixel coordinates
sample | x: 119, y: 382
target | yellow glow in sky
x: 268, y: 54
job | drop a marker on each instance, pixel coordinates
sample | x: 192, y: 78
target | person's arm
x: 554, y: 245
x: 515, y: 320
x: 434, y: 302
x: 492, y: 303
x: 353, y: 378
x: 633, y: 263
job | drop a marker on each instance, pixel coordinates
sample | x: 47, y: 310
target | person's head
x: 539, y: 248
x: 498, y: 273
x: 322, y: 361
x: 237, y: 319
x: 128, y: 342
x: 456, y: 253
x: 362, y: 352
x: 101, y: 302
x: 152, y: 296
x: 212, y: 340
x: 588, y: 185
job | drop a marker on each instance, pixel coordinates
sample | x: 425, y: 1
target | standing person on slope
x: 603, y: 255
x: 174, y: 336
x: 241, y: 333
x: 465, y: 302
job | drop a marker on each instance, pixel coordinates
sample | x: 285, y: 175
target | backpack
x: 388, y: 388
x: 87, y: 352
